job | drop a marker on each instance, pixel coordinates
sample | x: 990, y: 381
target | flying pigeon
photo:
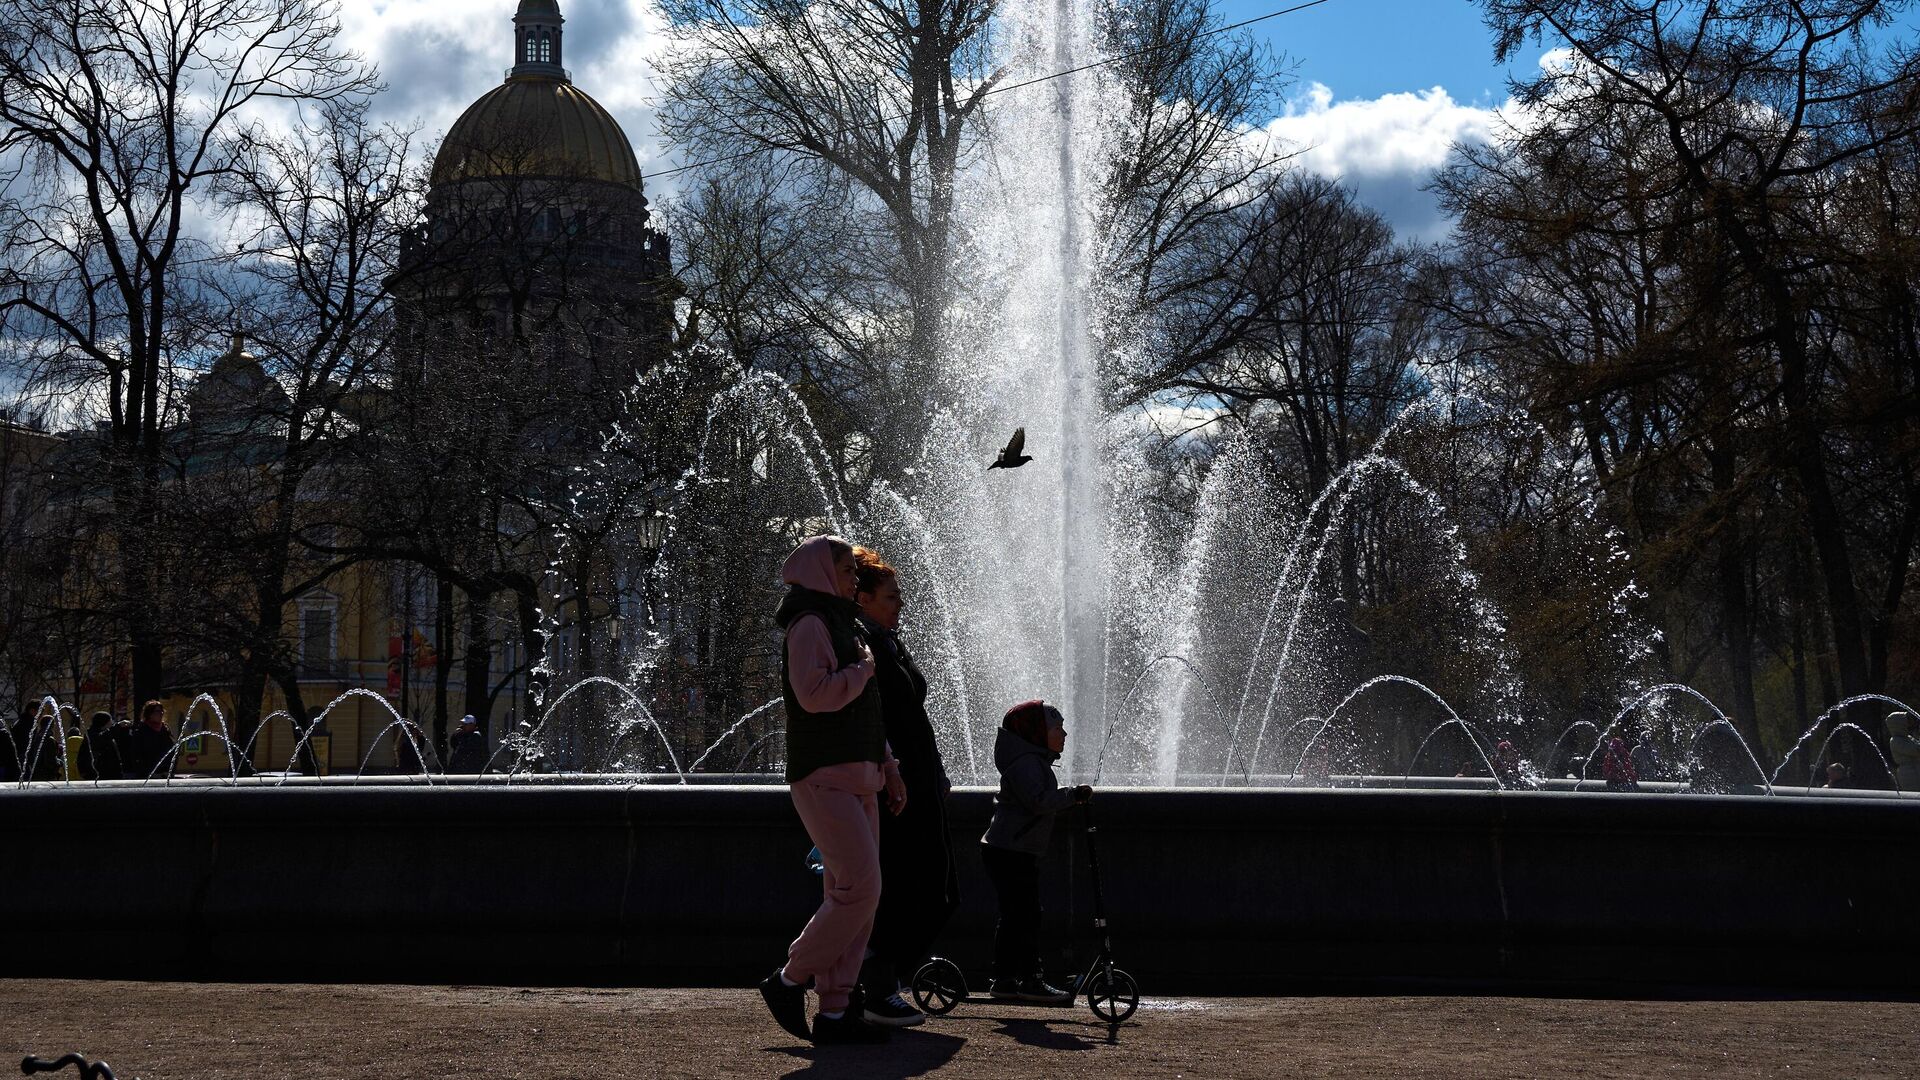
x: 1011, y: 457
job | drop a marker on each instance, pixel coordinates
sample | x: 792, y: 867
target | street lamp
x: 653, y: 530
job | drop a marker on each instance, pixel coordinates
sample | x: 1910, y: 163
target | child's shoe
x: 848, y: 1029
x: 1032, y: 989
x: 891, y: 1011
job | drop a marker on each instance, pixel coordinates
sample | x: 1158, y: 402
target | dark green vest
x: 853, y: 733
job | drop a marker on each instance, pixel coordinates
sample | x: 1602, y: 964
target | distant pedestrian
x: 103, y: 747
x: 467, y: 750
x: 79, y: 758
x: 1904, y: 750
x: 1616, y: 766
x: 149, y: 741
x: 1646, y: 757
x: 1509, y: 767
x: 40, y: 746
x: 1839, y: 777
x: 406, y: 754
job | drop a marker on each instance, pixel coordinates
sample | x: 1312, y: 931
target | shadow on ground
x: 907, y: 1054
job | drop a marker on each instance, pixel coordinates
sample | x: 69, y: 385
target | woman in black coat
x: 919, y: 889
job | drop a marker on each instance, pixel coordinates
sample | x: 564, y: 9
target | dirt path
x: 161, y: 1031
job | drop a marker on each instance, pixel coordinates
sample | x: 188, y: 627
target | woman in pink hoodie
x: 837, y: 763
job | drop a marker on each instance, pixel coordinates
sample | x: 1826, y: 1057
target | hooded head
x: 1031, y: 720
x: 811, y: 566
x: 1899, y: 724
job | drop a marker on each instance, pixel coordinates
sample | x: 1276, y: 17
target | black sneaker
x: 788, y: 1004
x: 848, y: 1030
x: 1035, y: 989
x: 1005, y: 990
x: 891, y: 1011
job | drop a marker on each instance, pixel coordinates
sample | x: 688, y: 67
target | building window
x: 546, y: 48
x: 318, y: 628
x: 531, y: 47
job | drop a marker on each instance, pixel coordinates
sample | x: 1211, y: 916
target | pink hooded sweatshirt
x: 819, y: 681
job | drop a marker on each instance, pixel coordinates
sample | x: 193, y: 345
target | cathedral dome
x: 538, y: 124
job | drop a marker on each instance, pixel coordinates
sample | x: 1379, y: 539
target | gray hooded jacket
x: 1029, y: 796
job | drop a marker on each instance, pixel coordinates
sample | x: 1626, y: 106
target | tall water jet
x: 1083, y: 540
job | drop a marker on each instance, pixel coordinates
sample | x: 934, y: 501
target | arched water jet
x: 1469, y: 582
x: 1871, y: 745
x: 171, y: 759
x: 1120, y: 713
x: 777, y: 733
x: 1834, y: 710
x: 1554, y: 754
x: 524, y: 737
x: 409, y: 730
x: 313, y: 725
x: 724, y: 736
x: 1363, y: 688
x: 1648, y: 695
x: 1471, y: 738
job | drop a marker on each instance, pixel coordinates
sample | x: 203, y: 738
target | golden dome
x: 536, y: 126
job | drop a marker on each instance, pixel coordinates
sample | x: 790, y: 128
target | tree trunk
x: 1736, y: 616
x: 442, y: 661
x: 479, y: 660
x: 289, y: 682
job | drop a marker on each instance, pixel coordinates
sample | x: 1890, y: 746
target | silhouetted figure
x: 1646, y: 758
x: 406, y: 756
x: 1839, y: 777
x: 467, y: 750
x: 1507, y: 766
x: 79, y: 756
x: 105, y: 748
x: 149, y: 741
x: 1904, y: 751
x: 1616, y: 766
x: 1011, y: 456
x: 40, y: 746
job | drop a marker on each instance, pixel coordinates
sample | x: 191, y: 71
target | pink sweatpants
x: 838, y: 806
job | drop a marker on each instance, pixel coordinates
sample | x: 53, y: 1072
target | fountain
x: 1190, y: 660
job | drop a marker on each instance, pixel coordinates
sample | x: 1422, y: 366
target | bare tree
x: 864, y: 107
x: 122, y: 115
x: 1756, y: 108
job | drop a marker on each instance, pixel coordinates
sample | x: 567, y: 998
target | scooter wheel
x: 1112, y: 995
x: 938, y: 986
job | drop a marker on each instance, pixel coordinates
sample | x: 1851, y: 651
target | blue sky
x: 1367, y: 48
x: 1385, y: 87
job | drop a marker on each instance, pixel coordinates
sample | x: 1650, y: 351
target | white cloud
x: 437, y: 56
x: 1386, y: 148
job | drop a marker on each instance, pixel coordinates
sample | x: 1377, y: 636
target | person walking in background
x: 1616, y: 766
x: 1903, y: 749
x: 41, y: 747
x: 79, y: 759
x: 149, y: 741
x: 837, y: 762
x: 1032, y: 736
x: 1839, y: 777
x: 916, y: 853
x: 467, y: 750
x: 103, y: 748
x: 1645, y: 758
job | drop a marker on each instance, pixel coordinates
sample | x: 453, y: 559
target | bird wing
x: 1017, y: 444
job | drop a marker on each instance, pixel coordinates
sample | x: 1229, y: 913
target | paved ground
x: 158, y: 1031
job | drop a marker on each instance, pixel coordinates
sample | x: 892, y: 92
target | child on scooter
x: 1031, y: 737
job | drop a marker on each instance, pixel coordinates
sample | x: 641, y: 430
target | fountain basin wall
x: 1222, y: 890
